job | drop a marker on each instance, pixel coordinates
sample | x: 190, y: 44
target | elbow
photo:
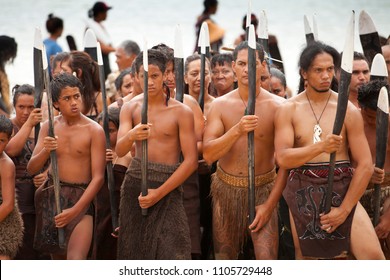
x: 281, y: 161
x: 207, y: 155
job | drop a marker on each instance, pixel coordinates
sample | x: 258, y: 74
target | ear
x: 303, y: 73
x: 185, y: 79
x: 233, y: 68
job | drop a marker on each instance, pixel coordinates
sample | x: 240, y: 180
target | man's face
x: 320, y: 73
x: 360, y: 75
x: 122, y: 59
x: 240, y: 67
x: 222, y: 77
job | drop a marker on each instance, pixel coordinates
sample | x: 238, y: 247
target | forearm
x: 215, y: 149
x: 357, y: 186
x: 185, y: 169
x: 37, y: 162
x: 296, y: 157
x: 124, y: 145
x: 17, y: 142
x: 276, y: 193
x: 89, y: 194
x: 5, y: 210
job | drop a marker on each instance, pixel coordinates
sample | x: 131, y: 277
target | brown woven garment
x: 305, y: 195
x: 367, y: 199
x: 46, y: 234
x: 162, y: 234
x: 230, y: 196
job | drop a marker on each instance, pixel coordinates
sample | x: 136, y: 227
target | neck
x: 317, y: 97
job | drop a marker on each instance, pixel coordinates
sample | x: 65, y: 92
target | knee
x: 374, y: 253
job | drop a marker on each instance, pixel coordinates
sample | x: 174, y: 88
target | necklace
x: 245, y: 105
x: 317, y: 131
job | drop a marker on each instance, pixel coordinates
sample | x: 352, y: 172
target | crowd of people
x: 196, y: 203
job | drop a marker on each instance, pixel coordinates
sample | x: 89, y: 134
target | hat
x: 99, y: 7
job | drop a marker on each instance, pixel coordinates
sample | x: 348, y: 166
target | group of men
x: 288, y: 160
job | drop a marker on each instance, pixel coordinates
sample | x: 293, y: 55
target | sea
x: 155, y: 21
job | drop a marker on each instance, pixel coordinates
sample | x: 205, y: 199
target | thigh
x: 223, y: 246
x: 362, y: 229
x: 80, y: 239
x: 266, y: 240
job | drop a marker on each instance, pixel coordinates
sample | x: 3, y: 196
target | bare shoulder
x: 270, y: 98
x: 353, y: 114
x: 179, y: 107
x: 224, y: 100
x: 289, y: 105
x: 7, y: 166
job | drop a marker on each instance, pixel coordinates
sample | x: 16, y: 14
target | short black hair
x: 113, y: 116
x: 368, y: 93
x: 220, y: 59
x: 6, y: 126
x: 62, y: 81
x: 244, y: 45
x: 155, y: 57
x: 18, y: 90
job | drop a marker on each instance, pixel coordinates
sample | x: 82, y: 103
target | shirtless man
x: 163, y: 233
x: 80, y: 148
x: 319, y: 235
x: 225, y: 140
x: 368, y: 100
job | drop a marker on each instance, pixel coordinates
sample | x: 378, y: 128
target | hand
x: 39, y: 179
x: 248, y: 123
x: 378, y: 176
x: 332, y: 143
x: 35, y: 117
x: 150, y: 199
x: 67, y: 215
x: 140, y: 132
x: 109, y: 155
x: 383, y: 228
x: 332, y: 220
x: 263, y: 214
x: 50, y: 143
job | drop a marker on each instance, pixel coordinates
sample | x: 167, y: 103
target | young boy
x: 80, y: 149
x: 163, y: 233
x: 11, y: 225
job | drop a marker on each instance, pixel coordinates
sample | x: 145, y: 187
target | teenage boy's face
x: 155, y: 79
x: 69, y: 102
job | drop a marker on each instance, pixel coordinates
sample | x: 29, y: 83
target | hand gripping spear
x: 251, y: 111
x: 382, y: 127
x: 342, y: 102
x: 179, y: 64
x: 110, y: 175
x: 144, y: 120
x: 53, y: 154
x: 38, y: 76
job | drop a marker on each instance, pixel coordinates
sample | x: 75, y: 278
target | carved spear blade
x: 202, y: 43
x: 248, y: 19
x: 263, y: 32
x: 342, y: 101
x: 144, y: 120
x: 53, y: 154
x: 308, y: 31
x: 90, y: 44
x: 38, y: 76
x: 179, y: 64
x: 251, y: 111
x: 110, y: 174
x: 382, y: 128
x: 369, y: 37
x: 378, y: 68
